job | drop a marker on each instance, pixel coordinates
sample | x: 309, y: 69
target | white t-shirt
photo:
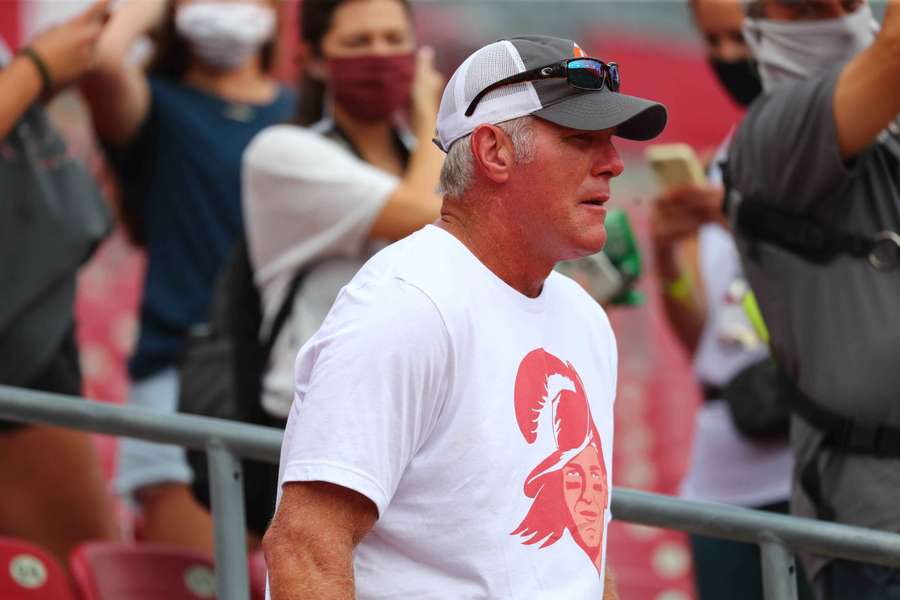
x: 478, y: 421
x: 726, y: 466
x: 309, y: 204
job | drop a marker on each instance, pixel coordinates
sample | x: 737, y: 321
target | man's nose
x: 608, y: 163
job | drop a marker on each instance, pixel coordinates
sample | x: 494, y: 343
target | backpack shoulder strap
x: 851, y: 435
x: 284, y: 312
x: 799, y: 234
x: 848, y: 434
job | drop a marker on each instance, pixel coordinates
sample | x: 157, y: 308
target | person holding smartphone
x: 702, y: 285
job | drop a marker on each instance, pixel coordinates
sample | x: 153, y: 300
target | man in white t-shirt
x: 451, y: 434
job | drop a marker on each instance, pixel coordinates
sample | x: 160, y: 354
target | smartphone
x: 675, y: 165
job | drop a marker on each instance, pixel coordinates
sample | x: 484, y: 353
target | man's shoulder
x: 785, y: 151
x: 384, y: 311
x: 792, y: 100
x: 427, y: 259
x: 391, y: 296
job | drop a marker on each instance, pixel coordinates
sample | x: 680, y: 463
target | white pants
x: 143, y: 463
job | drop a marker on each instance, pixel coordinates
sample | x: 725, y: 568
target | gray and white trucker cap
x: 553, y: 100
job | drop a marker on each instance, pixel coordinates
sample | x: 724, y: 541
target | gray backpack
x: 52, y: 217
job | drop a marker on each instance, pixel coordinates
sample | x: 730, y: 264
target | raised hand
x: 68, y: 49
x: 426, y: 92
x: 678, y: 213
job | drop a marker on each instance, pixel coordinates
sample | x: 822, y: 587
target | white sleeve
x: 369, y: 388
x: 305, y: 198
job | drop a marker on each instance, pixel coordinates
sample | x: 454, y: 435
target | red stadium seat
x: 120, y: 571
x: 29, y: 573
x: 257, y: 575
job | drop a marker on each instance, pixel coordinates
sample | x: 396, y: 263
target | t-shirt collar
x: 532, y: 305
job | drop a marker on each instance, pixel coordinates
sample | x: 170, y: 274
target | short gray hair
x: 456, y: 173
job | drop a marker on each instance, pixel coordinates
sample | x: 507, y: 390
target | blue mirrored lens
x: 586, y: 73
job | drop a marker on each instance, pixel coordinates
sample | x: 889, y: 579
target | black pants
x: 61, y: 375
x: 848, y: 580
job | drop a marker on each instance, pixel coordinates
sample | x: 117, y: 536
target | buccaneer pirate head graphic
x: 569, y: 487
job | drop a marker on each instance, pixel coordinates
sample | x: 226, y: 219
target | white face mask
x: 225, y: 34
x: 795, y: 50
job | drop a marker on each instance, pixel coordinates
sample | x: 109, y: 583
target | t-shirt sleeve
x: 786, y: 150
x: 306, y: 198
x: 369, y: 388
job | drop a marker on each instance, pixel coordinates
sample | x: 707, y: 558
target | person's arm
x: 609, y: 587
x: 682, y: 302
x: 21, y: 75
x: 675, y: 218
x: 415, y: 203
x: 867, y: 96
x: 65, y: 52
x: 370, y: 385
x: 309, y: 545
x: 117, y: 91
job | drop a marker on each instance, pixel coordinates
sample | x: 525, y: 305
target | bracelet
x: 680, y: 289
x: 46, y: 80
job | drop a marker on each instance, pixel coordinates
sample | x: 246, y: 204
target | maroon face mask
x: 372, y: 88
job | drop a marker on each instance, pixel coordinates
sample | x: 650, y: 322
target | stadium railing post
x: 779, y: 572
x: 227, y: 495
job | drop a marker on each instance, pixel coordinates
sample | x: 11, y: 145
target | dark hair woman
x: 322, y: 200
x: 175, y: 131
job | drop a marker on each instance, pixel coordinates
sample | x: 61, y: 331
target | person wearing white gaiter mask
x: 225, y: 35
x: 818, y: 150
x: 175, y: 130
x: 795, y: 50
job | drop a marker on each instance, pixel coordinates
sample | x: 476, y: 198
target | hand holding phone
x: 675, y: 165
x: 688, y: 200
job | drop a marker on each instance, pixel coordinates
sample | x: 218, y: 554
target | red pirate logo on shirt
x: 569, y: 487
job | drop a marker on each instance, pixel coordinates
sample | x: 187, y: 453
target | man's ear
x: 493, y: 152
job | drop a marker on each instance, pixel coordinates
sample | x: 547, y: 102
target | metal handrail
x: 227, y: 441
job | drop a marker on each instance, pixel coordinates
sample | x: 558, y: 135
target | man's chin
x: 590, y: 246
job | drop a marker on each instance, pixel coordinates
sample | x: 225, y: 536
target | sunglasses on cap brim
x: 580, y: 73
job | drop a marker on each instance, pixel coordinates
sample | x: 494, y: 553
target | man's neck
x: 247, y: 83
x: 496, y: 241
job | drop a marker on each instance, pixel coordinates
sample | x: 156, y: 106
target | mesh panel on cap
x: 486, y: 66
x: 491, y: 63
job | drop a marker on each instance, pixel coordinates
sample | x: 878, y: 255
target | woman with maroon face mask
x: 361, y: 172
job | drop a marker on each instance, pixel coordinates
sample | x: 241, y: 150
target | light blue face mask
x: 795, y: 50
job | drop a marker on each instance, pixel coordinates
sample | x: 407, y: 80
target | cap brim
x: 634, y: 118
